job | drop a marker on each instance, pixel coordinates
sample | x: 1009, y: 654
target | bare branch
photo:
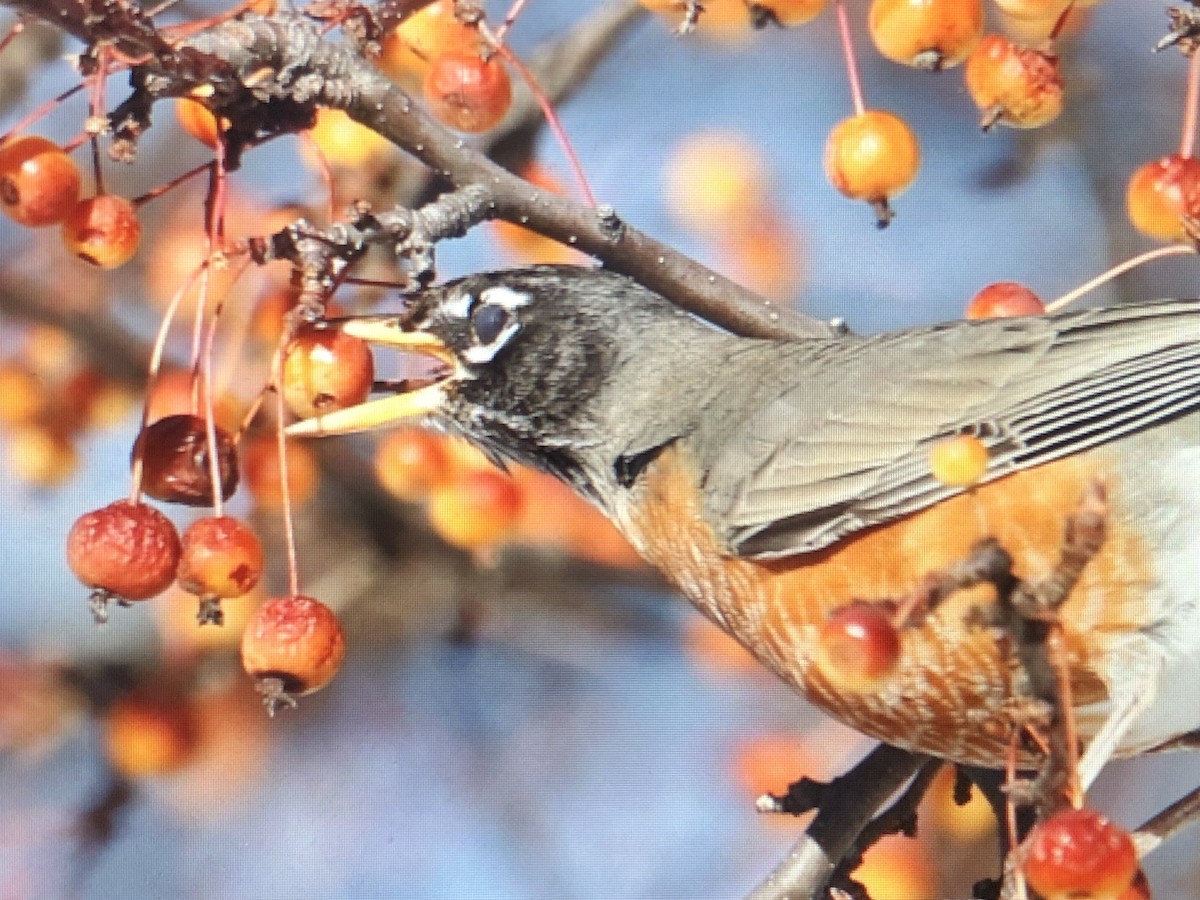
x: 847, y: 807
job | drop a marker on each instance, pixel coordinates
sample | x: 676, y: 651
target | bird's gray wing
x: 844, y: 444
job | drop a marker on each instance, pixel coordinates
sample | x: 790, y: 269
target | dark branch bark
x: 847, y: 808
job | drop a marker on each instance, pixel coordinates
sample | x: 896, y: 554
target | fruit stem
x: 41, y: 111
x: 856, y: 92
x: 1119, y: 269
x: 1056, y: 645
x: 1187, y: 140
x: 157, y: 192
x: 326, y: 173
x: 152, y: 370
x: 560, y: 134
x: 285, y: 489
x: 513, y: 12
x: 98, y: 113
x: 203, y: 338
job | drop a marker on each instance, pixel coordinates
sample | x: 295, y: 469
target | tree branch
x: 269, y: 75
x: 847, y: 807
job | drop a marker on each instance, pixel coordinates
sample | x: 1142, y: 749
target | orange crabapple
x: 872, y: 156
x: 1004, y: 299
x: 103, y: 230
x: 477, y: 510
x: 41, y: 454
x: 926, y: 34
x: 148, y: 735
x: 959, y: 461
x: 716, y: 181
x: 125, y: 550
x: 770, y: 763
x: 723, y: 15
x: 1014, y: 85
x: 467, y: 92
x: 1035, y: 30
x: 199, y: 121
x: 971, y: 821
x: 182, y: 633
x: 177, y: 250
x: 264, y: 476
x: 222, y: 558
x: 788, y: 13
x: 405, y: 51
x: 1160, y: 193
x: 231, y: 755
x: 765, y: 255
x: 39, y: 183
x: 858, y: 647
x: 326, y: 370
x: 411, y: 462
x: 345, y: 143
x: 1035, y: 9
x: 1078, y: 854
x: 50, y: 352
x: 292, y: 646
x: 897, y: 868
x: 24, y: 395
x: 93, y: 400
x: 174, y: 454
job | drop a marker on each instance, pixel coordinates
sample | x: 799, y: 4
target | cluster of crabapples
x: 464, y: 83
x: 874, y: 155
x: 1073, y: 854
x: 129, y: 551
x: 40, y: 186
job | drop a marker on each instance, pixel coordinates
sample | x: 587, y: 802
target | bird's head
x: 529, y: 359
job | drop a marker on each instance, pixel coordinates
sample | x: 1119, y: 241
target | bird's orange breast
x: 953, y: 692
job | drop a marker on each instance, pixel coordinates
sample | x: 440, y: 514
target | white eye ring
x: 505, y: 297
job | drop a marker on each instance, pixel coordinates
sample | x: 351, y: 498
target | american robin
x: 775, y: 481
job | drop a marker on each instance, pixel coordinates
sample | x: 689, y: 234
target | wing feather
x: 844, y: 445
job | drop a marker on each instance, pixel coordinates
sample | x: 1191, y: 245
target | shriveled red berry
x: 222, y: 558
x: 175, y: 463
x: 293, y: 646
x: 858, y: 646
x: 1078, y: 854
x: 39, y: 184
x: 126, y: 551
x: 326, y: 370
x: 1013, y: 85
x: 467, y: 92
x: 149, y: 735
x: 103, y: 230
x: 1005, y: 299
x: 1160, y: 193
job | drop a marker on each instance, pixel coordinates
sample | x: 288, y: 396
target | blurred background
x: 540, y: 717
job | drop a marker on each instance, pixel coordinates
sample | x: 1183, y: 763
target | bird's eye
x: 488, y: 320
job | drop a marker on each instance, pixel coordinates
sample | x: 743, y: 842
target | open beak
x: 385, y: 331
